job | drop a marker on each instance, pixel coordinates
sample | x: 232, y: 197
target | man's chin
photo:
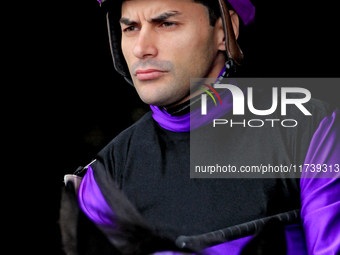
x: 157, y: 99
x: 166, y: 102
x: 154, y: 101
x: 152, y: 93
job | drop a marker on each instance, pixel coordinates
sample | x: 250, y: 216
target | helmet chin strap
x: 234, y: 52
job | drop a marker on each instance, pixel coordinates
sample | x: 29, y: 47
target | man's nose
x: 145, y: 46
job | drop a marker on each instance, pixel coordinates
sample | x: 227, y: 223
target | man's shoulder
x: 317, y: 108
x: 320, y: 107
x: 139, y: 126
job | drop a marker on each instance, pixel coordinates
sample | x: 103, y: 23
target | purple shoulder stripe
x: 92, y: 202
x: 320, y: 189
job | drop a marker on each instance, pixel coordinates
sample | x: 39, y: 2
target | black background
x: 73, y: 102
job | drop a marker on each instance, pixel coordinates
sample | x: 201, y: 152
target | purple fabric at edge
x: 320, y: 192
x: 245, y: 9
x: 92, y: 202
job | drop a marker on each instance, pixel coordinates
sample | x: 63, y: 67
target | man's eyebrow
x: 159, y: 18
x: 163, y: 16
x: 127, y: 22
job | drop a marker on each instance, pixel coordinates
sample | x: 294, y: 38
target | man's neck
x: 183, y: 106
x: 213, y: 73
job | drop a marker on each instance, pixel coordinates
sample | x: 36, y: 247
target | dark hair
x: 213, y: 9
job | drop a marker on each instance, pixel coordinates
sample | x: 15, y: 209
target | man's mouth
x: 148, y: 74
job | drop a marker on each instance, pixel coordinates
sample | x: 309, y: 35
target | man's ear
x: 220, y: 32
x: 235, y: 22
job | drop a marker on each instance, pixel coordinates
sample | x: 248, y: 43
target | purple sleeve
x: 320, y: 189
x: 92, y: 202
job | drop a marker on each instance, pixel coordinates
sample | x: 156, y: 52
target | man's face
x: 165, y: 43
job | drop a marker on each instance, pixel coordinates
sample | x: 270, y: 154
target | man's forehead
x: 154, y: 7
x: 157, y: 18
x: 150, y: 1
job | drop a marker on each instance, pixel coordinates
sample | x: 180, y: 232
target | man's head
x: 167, y: 42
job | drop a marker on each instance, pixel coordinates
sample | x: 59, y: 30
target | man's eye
x: 130, y: 29
x: 168, y: 24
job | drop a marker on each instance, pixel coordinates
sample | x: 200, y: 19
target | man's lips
x: 148, y: 74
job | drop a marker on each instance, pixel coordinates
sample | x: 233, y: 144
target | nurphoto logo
x: 239, y: 104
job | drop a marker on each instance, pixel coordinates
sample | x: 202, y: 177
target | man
x: 158, y: 46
